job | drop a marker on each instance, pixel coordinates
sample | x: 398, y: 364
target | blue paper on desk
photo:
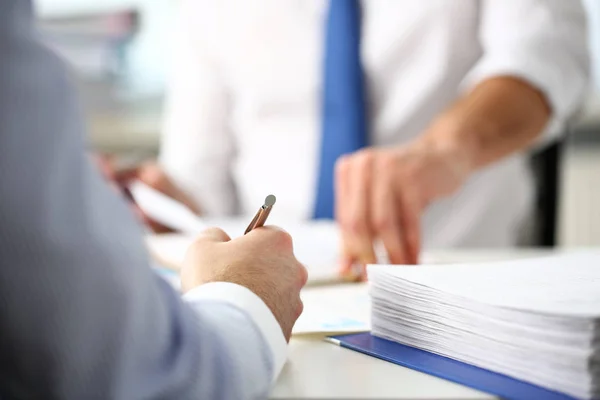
x: 446, y: 368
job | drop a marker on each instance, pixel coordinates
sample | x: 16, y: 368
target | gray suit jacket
x: 82, y: 316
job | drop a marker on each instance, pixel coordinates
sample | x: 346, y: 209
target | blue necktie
x: 344, y: 122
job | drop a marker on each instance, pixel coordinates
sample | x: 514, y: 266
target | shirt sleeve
x: 243, y: 299
x: 543, y: 42
x: 197, y: 148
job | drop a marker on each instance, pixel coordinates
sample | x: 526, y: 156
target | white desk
x: 320, y: 370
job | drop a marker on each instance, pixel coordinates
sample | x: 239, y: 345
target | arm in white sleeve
x: 543, y: 42
x: 197, y: 147
x: 245, y: 308
x: 82, y: 315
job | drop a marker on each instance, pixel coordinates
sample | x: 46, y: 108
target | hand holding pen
x: 263, y: 262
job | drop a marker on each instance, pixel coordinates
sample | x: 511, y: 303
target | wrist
x: 450, y: 141
x: 459, y: 134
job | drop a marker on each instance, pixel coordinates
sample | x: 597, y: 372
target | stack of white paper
x: 536, y: 320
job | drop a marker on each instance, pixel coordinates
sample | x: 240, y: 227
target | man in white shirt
x: 452, y: 94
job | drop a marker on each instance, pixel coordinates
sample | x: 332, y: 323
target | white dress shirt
x: 243, y: 112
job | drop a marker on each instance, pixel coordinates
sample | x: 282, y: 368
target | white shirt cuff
x: 245, y: 300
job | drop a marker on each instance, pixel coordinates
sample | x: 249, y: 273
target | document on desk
x: 165, y: 210
x: 316, y: 244
x: 335, y: 309
x: 313, y: 246
x: 536, y: 320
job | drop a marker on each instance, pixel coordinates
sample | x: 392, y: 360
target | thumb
x: 105, y: 164
x: 213, y: 235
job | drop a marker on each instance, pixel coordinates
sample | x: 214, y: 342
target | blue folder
x: 446, y: 368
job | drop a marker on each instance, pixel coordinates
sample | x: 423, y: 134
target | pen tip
x: 269, y: 200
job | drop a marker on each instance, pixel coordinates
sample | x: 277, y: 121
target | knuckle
x: 387, y: 162
x: 303, y: 274
x: 153, y: 176
x: 382, y: 223
x: 414, y: 183
x: 408, y: 174
x: 217, y: 233
x: 344, y: 222
x: 213, y: 229
x: 284, y: 239
x: 197, y: 247
x: 209, y: 237
x: 365, y: 157
x: 357, y: 226
x: 342, y: 166
x: 299, y: 308
x: 198, y: 242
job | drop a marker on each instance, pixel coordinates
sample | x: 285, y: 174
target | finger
x: 384, y: 214
x: 360, y: 254
x: 346, y: 266
x: 360, y: 228
x: 303, y: 275
x: 139, y: 214
x: 363, y: 277
x: 358, y: 241
x: 270, y: 237
x: 342, y: 187
x: 124, y: 177
x: 104, y: 163
x: 107, y: 165
x: 350, y: 269
x: 155, y: 226
x: 410, y: 218
x: 299, y: 308
x: 152, y: 175
x: 213, y: 235
x: 342, y: 194
x: 147, y: 222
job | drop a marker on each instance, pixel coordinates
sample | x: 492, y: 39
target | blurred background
x: 118, y: 49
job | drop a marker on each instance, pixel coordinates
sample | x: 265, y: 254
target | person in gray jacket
x: 82, y: 315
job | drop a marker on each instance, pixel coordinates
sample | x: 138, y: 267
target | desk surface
x: 319, y: 370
